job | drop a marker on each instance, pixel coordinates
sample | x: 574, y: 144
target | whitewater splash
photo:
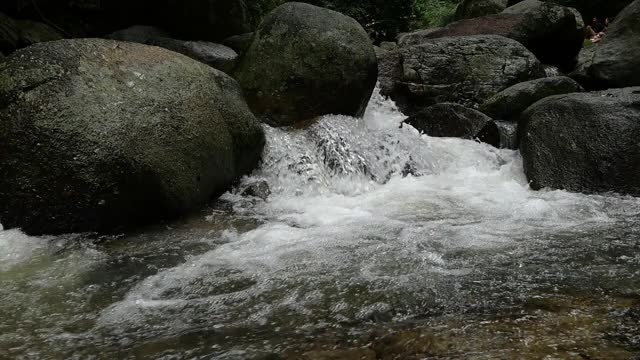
x: 368, y: 221
x: 362, y: 220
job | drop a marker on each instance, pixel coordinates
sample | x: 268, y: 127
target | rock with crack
x: 465, y: 69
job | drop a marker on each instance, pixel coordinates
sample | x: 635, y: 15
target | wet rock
x: 99, y: 135
x: 215, y: 55
x: 615, y: 61
x: 468, y: 9
x: 454, y: 120
x: 550, y: 31
x: 307, y: 61
x: 586, y: 142
x: 342, y: 354
x: 259, y: 189
x: 239, y: 43
x: 467, y: 70
x: 512, y: 101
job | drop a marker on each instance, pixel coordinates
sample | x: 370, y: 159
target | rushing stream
x: 374, y: 238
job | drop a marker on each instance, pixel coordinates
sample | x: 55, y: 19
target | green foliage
x: 433, y: 13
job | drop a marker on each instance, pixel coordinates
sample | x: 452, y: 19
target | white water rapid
x: 367, y: 222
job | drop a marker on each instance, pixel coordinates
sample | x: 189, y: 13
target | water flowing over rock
x: 550, y: 31
x: 584, y: 142
x: 468, y: 9
x: 465, y: 69
x: 454, y: 120
x: 307, y: 61
x: 615, y: 61
x: 98, y: 135
x: 512, y: 101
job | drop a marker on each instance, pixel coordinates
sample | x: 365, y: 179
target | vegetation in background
x: 433, y: 13
x: 383, y: 19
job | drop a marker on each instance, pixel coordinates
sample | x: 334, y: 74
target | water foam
x: 364, y: 218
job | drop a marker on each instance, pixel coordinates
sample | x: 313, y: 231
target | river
x: 375, y: 241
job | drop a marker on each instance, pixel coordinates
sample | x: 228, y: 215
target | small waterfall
x: 552, y: 71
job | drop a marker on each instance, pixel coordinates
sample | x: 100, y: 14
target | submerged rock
x: 454, y: 120
x: 468, y: 9
x: 467, y: 70
x: 99, y: 135
x: 585, y: 142
x: 615, y: 61
x: 512, y: 101
x: 307, y: 61
x: 259, y: 189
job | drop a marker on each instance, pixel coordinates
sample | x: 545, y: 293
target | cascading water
x: 370, y: 228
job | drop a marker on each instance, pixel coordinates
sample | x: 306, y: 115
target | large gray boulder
x: 99, y: 135
x: 467, y: 70
x: 615, y: 61
x: 512, y: 101
x: 550, y: 31
x: 468, y: 9
x: 585, y: 142
x: 455, y: 120
x: 307, y: 61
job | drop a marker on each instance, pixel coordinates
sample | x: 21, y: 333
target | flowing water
x: 375, y: 242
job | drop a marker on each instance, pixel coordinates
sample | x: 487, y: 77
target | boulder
x: 239, y: 43
x: 466, y: 70
x: 614, y: 62
x: 215, y: 55
x: 512, y: 101
x: 550, y: 31
x: 99, y: 135
x: 306, y: 61
x: 454, y: 120
x: 468, y: 9
x: 586, y: 142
